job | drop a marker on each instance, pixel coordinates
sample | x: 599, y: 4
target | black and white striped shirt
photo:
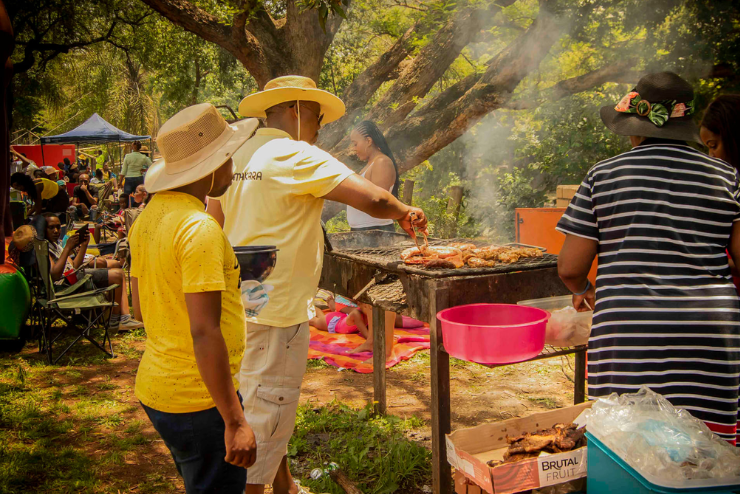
x: 667, y: 314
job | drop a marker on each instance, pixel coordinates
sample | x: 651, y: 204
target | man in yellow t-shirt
x: 185, y: 280
x: 276, y: 198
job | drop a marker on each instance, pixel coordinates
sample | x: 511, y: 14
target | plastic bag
x: 661, y: 441
x: 568, y: 327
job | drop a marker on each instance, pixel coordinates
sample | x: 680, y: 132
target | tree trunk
x: 266, y: 47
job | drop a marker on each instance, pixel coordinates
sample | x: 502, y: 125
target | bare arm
x: 93, y: 200
x: 574, y: 263
x: 214, y: 209
x: 364, y: 195
x: 57, y: 267
x: 211, y: 355
x: 135, y: 299
x: 18, y: 155
x: 80, y: 257
x: 383, y: 174
x: 37, y: 201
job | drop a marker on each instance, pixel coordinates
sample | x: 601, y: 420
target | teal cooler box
x: 609, y: 474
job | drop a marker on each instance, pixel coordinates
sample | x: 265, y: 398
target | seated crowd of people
x: 69, y: 220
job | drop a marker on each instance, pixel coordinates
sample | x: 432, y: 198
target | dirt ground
x: 478, y: 394
x: 98, y: 396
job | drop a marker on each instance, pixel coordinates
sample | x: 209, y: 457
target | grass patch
x: 61, y: 433
x: 317, y: 363
x: 548, y: 403
x: 373, y: 451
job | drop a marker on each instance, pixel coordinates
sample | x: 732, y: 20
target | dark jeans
x: 385, y: 228
x: 129, y: 186
x: 196, y: 441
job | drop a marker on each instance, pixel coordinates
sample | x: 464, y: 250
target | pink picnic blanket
x: 333, y: 348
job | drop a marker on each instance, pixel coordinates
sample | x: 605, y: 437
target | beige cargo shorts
x: 270, y: 384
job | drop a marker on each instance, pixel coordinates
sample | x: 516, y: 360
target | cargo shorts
x: 270, y: 383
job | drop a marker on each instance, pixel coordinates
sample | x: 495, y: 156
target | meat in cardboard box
x: 469, y: 450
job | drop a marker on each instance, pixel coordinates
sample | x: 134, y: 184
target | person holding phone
x: 71, y: 257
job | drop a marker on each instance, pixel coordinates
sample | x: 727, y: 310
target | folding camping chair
x: 81, y: 307
x: 104, y: 193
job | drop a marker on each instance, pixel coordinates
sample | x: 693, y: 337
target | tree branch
x: 618, y: 72
x: 235, y: 39
x: 429, y: 65
x: 445, y: 119
x: 52, y: 50
x: 192, y: 18
x: 364, y: 86
x: 418, y: 76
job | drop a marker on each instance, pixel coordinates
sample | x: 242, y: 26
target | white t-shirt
x: 276, y: 199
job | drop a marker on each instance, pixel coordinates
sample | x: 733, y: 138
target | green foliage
x: 162, y: 70
x: 324, y: 8
x: 61, y: 433
x: 338, y: 223
x: 371, y: 450
x: 516, y: 160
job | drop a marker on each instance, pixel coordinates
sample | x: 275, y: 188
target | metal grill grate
x: 389, y: 258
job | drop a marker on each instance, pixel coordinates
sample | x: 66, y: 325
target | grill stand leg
x: 440, y: 374
x: 379, y: 337
x: 579, y: 391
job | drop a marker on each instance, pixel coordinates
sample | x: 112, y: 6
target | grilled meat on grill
x: 435, y: 252
x: 477, y: 262
x: 466, y: 254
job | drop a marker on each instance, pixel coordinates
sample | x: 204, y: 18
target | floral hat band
x: 659, y: 112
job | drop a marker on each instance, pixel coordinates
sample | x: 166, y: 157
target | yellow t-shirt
x: 50, y: 190
x: 177, y: 248
x: 276, y: 199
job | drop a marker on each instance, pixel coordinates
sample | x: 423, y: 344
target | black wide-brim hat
x: 654, y: 88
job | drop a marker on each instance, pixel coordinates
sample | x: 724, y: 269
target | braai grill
x: 356, y: 258
x: 389, y: 258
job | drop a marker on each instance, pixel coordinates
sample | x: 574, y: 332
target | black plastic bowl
x: 256, y: 261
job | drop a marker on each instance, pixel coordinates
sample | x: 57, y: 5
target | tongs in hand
x: 416, y: 238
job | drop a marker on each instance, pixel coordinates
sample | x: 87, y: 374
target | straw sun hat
x: 661, y: 105
x: 195, y: 143
x: 292, y: 88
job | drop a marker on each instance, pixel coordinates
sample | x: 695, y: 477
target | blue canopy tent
x: 93, y: 130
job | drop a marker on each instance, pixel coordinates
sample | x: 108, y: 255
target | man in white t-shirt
x: 276, y: 198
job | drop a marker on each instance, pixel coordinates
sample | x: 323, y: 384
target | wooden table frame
x: 440, y: 295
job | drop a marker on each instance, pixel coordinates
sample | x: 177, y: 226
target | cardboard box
x: 567, y: 191
x: 465, y: 486
x: 469, y: 450
x: 562, y: 203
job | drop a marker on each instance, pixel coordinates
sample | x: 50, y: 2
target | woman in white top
x: 370, y: 146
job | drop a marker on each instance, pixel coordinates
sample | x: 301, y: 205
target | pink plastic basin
x: 493, y: 333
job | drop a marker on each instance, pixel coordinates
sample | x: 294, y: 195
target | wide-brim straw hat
x: 664, y: 88
x: 292, y: 88
x: 194, y: 143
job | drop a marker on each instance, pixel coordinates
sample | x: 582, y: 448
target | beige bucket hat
x: 292, y: 88
x: 194, y: 143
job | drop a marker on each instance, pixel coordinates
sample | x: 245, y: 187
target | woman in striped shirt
x: 660, y: 217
